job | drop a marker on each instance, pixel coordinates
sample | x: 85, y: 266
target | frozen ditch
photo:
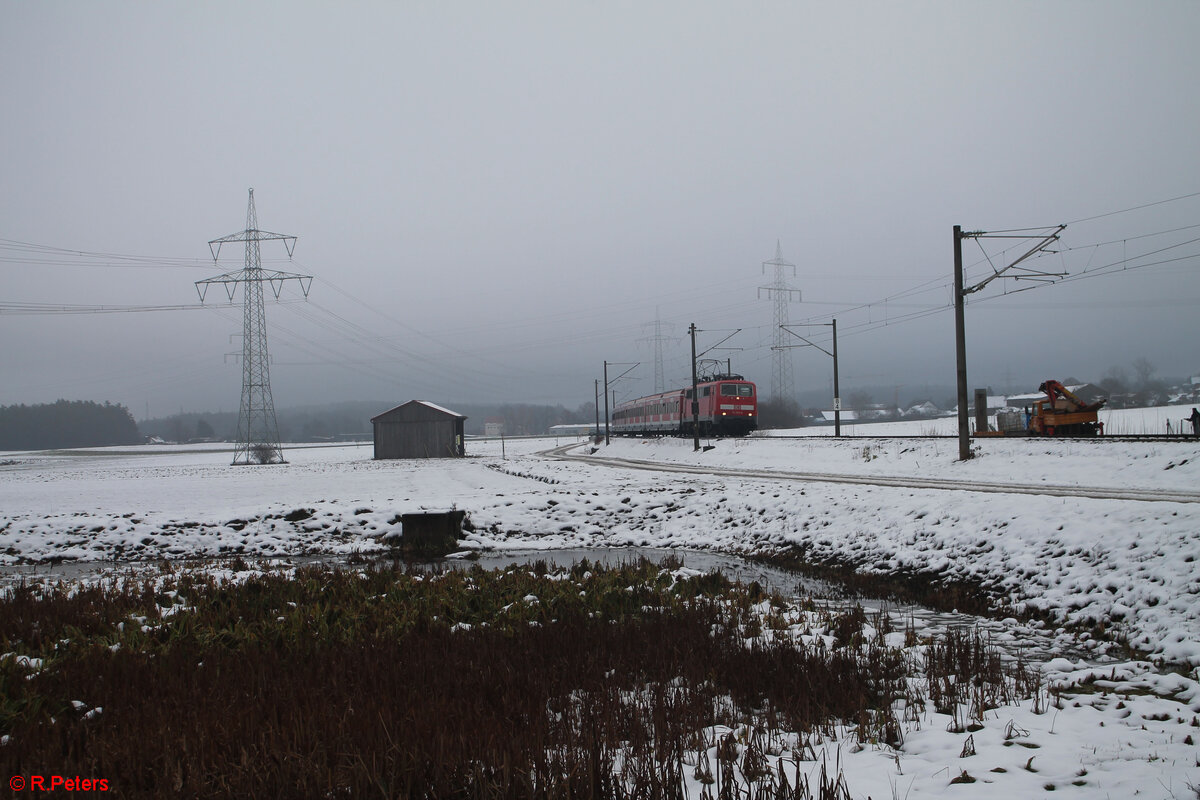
x: 1032, y: 642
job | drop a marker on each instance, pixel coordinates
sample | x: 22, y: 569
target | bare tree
x: 1115, y: 380
x: 778, y: 413
x: 859, y: 400
x: 1145, y: 371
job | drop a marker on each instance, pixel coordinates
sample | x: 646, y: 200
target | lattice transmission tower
x: 258, y: 431
x: 783, y: 382
x: 657, y: 339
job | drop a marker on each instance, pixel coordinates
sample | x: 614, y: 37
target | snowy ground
x: 1127, y: 564
x: 1121, y: 421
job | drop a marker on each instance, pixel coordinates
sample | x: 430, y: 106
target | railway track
x: 904, y: 482
x: 1120, y: 437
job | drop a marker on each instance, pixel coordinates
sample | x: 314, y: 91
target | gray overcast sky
x: 496, y: 197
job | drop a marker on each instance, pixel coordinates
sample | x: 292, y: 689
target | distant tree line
x: 523, y: 419
x: 779, y: 413
x: 66, y: 423
x: 352, y: 419
x: 1143, y: 389
x: 337, y: 421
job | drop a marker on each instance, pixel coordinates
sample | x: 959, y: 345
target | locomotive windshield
x: 737, y: 390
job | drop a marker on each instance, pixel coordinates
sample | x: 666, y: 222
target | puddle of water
x: 1029, y: 642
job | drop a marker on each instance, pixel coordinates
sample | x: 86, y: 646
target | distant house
x: 876, y: 411
x: 418, y: 429
x: 995, y: 402
x: 921, y: 410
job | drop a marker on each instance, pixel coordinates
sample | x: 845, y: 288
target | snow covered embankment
x: 1128, y: 566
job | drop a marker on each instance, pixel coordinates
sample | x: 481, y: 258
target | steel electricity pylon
x: 258, y: 431
x: 657, y: 339
x: 783, y: 384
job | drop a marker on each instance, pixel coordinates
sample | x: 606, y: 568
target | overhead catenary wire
x: 588, y: 321
x: 1126, y: 263
x: 1136, y: 208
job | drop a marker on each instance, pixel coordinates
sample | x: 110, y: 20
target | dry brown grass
x: 335, y: 683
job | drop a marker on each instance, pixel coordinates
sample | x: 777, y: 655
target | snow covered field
x: 1117, y: 422
x: 1127, y: 564
x: 1130, y: 565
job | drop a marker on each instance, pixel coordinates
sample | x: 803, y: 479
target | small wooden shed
x: 418, y: 429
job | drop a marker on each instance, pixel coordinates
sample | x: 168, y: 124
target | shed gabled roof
x: 418, y: 406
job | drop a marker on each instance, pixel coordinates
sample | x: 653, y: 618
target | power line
x: 16, y: 308
x: 1126, y: 263
x: 1136, y: 208
x: 1124, y: 239
x: 17, y: 252
x: 38, y: 255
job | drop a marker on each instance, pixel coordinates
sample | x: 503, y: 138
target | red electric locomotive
x: 728, y: 407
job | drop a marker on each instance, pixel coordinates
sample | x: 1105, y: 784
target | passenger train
x: 728, y: 407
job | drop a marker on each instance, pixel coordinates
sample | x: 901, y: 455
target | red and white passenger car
x: 728, y: 406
